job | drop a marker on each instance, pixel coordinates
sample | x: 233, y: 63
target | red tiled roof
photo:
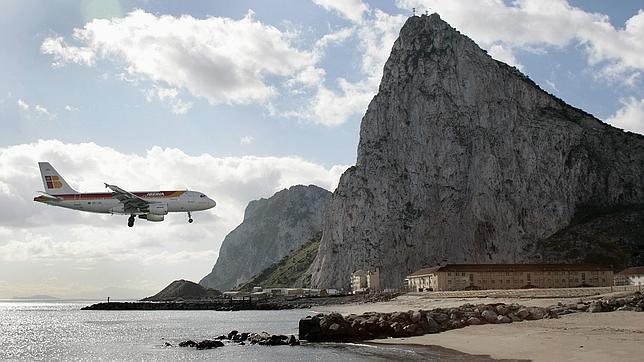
x: 425, y: 271
x: 633, y: 271
x: 509, y: 268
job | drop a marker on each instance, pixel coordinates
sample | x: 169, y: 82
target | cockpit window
x: 202, y: 196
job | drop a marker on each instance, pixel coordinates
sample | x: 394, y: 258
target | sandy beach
x: 616, y: 336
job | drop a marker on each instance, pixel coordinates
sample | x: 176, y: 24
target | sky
x: 236, y: 99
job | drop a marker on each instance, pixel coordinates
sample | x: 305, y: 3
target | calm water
x: 33, y: 330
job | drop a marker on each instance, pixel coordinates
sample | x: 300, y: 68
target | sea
x: 59, y: 330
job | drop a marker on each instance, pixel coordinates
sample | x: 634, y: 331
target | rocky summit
x: 463, y: 159
x: 271, y: 229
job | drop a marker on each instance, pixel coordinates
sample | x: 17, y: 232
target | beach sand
x: 611, y: 336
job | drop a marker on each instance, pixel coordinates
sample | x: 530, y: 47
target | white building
x: 508, y: 276
x: 630, y: 276
x: 365, y: 281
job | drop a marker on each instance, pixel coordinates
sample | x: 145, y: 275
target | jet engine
x: 152, y: 217
x: 158, y: 209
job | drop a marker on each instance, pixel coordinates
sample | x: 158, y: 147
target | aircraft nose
x: 211, y: 203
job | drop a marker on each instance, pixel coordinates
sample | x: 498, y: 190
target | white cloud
x: 22, y: 105
x: 169, y: 95
x: 35, y: 234
x: 334, y: 38
x: 220, y: 59
x: 64, y: 53
x: 246, y: 140
x: 35, y: 111
x: 334, y: 108
x: 504, y: 54
x: 630, y: 117
x: 231, y: 61
x: 551, y: 83
x: 375, y: 35
x: 537, y: 23
x: 350, y: 9
x: 70, y: 108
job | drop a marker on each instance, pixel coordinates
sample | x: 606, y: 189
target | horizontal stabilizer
x: 48, y: 197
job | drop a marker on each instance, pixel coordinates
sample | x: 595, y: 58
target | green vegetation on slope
x: 287, y: 272
x: 607, y: 236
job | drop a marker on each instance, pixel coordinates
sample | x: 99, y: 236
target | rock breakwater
x: 227, y: 304
x: 235, y: 337
x: 334, y: 327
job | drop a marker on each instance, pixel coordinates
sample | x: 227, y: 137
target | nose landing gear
x: 189, y: 218
x: 130, y: 221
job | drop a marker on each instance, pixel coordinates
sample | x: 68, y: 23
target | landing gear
x: 130, y: 221
x: 190, y: 218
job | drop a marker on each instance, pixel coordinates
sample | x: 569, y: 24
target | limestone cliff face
x: 271, y: 229
x: 464, y: 159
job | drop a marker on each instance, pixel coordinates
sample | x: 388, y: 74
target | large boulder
x: 489, y: 315
x: 595, y: 307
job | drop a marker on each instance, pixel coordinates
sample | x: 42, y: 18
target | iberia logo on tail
x: 53, y: 182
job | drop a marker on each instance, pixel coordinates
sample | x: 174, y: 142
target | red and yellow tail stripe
x: 108, y: 195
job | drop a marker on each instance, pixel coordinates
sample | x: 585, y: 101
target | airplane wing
x: 130, y: 201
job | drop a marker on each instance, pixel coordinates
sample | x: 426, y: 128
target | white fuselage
x: 104, y: 203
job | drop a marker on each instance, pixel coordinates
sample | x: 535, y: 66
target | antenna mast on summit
x: 413, y: 11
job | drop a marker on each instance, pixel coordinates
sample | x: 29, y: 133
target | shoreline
x: 435, y: 351
x: 441, y: 352
x: 574, y: 337
x: 583, y: 336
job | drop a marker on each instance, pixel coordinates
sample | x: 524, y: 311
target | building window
x: 449, y: 274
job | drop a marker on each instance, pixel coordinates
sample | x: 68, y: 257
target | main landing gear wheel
x: 130, y: 221
x: 190, y: 218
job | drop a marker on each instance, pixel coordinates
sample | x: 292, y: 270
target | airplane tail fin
x: 54, y: 183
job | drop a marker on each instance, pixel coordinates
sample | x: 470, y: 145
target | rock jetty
x: 334, y: 327
x: 235, y: 337
x: 218, y: 305
x: 227, y: 304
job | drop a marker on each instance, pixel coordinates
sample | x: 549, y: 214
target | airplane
x: 148, y: 205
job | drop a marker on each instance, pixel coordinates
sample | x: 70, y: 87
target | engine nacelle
x: 158, y: 209
x: 152, y: 217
